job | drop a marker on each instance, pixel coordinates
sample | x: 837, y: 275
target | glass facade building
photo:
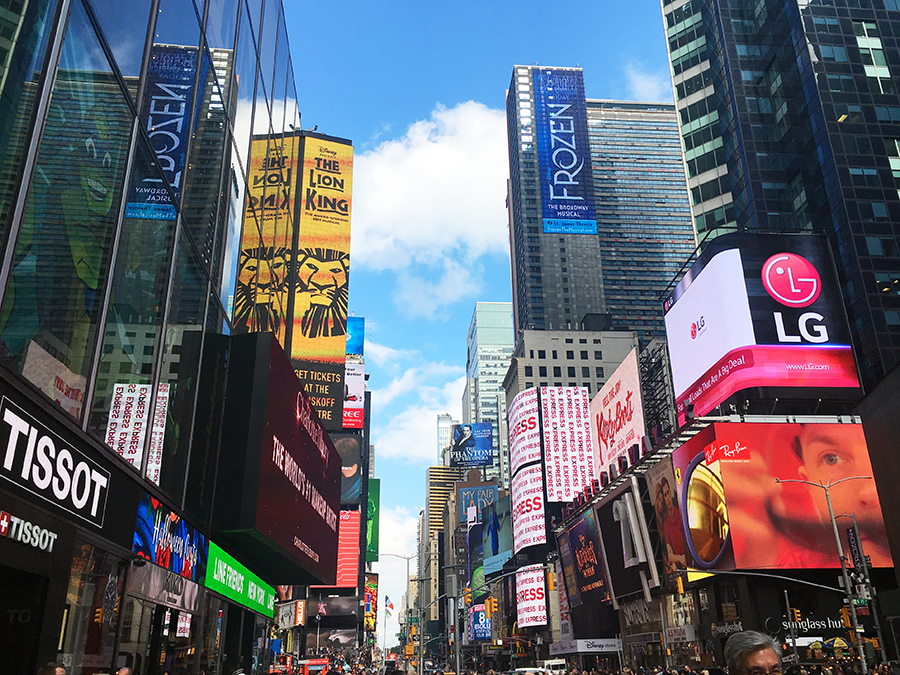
x: 790, y: 116
x: 643, y: 226
x: 125, y: 131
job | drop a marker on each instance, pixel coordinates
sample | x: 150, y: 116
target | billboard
x: 356, y: 335
x: 524, y: 430
x: 568, y: 454
x: 758, y: 310
x: 322, y: 263
x: 617, y: 414
x: 471, y: 445
x: 163, y: 537
x: 529, y: 528
x: 479, y: 624
x: 371, y: 600
x: 664, y: 492
x: 497, y: 535
x: 531, y: 602
x: 331, y: 638
x: 564, y: 154
x: 479, y: 496
x: 227, y: 576
x: 625, y: 541
x: 475, y: 561
x: 735, y: 516
x: 588, y: 575
x: 349, y: 448
x: 354, y: 395
x: 373, y: 519
x: 348, y: 551
x: 127, y: 424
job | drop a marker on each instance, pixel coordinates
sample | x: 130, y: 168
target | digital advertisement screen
x: 349, y: 448
x: 735, y: 515
x: 356, y: 335
x: 524, y: 430
x: 617, y: 414
x: 164, y: 538
x: 354, y: 395
x: 664, y: 492
x: 373, y: 519
x: 589, y: 574
x: 479, y: 624
x: 531, y: 600
x: 564, y: 153
x: 371, y: 599
x: 471, y: 445
x: 568, y: 453
x: 529, y: 528
x: 475, y: 561
x: 348, y: 551
x: 497, y: 535
x: 479, y: 496
x: 758, y: 311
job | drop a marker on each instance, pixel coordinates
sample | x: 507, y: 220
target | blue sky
x: 419, y: 87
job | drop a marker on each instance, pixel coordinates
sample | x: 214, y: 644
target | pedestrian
x: 52, y: 668
x: 752, y: 653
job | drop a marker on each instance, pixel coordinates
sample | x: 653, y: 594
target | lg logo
x: 793, y: 282
x: 697, y: 327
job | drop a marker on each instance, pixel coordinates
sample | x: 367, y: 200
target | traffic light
x: 679, y: 583
x: 490, y: 606
x: 845, y: 617
x: 795, y: 613
x: 98, y: 615
x: 468, y: 596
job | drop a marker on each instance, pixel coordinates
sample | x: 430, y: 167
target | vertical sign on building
x: 617, y: 414
x: 568, y: 454
x: 527, y: 484
x: 564, y: 157
x: 531, y: 601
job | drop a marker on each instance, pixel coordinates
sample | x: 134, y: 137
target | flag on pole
x: 321, y: 609
x: 388, y: 603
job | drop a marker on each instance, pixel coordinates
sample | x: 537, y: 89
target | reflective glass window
x: 177, y: 24
x: 180, y: 368
x: 267, y: 46
x: 245, y: 75
x: 21, y: 64
x: 221, y: 24
x: 124, y: 25
x: 134, y: 320
x: 280, y: 95
x: 50, y: 312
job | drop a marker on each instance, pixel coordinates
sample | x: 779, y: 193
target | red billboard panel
x: 735, y: 516
x: 757, y: 311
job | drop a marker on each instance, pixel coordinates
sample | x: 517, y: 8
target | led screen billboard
x: 163, y: 537
x: 475, y: 561
x: 354, y: 395
x: 568, y: 453
x: 350, y: 450
x: 471, y: 445
x: 497, y: 535
x: 356, y: 335
x: 524, y: 430
x: 663, y: 492
x: 373, y: 519
x: 479, y: 496
x: 348, y: 550
x: 371, y: 600
x: 588, y: 571
x: 735, y: 515
x: 531, y: 601
x: 479, y: 624
x: 529, y: 527
x: 758, y: 311
x: 617, y: 414
x: 564, y: 155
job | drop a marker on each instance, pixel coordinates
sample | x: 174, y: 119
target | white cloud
x: 648, y: 86
x: 383, y: 355
x: 432, y: 200
x: 398, y: 528
x: 411, y: 435
x: 416, y: 380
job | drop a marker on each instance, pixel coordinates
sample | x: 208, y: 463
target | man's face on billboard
x: 322, y: 279
x: 831, y: 452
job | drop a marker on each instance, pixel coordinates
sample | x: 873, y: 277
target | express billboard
x: 524, y: 430
x: 564, y: 155
x: 759, y: 310
x: 735, y: 515
x: 471, y: 445
x: 529, y: 527
x: 497, y: 534
x: 531, y: 600
x: 568, y: 453
x: 617, y: 414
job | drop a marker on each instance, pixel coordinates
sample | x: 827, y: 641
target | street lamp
x: 407, y: 558
x: 826, y: 486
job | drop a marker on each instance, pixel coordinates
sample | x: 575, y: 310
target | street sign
x: 412, y: 619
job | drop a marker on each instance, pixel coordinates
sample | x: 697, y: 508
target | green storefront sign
x: 227, y: 576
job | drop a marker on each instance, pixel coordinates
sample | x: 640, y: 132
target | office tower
x: 445, y: 424
x: 489, y: 345
x: 790, y: 121
x: 598, y: 211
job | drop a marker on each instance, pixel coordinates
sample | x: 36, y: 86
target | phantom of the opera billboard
x: 471, y: 445
x: 719, y: 506
x: 759, y: 311
x: 293, y: 277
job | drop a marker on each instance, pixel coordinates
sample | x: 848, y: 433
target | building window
x: 557, y: 371
x: 582, y: 341
x: 600, y: 374
x: 542, y: 371
x: 834, y: 53
x: 531, y: 353
x: 542, y: 354
x: 584, y: 353
x: 585, y: 371
x: 864, y: 176
x: 554, y: 354
x: 892, y: 317
x: 872, y: 211
x: 881, y: 246
x: 597, y: 341
x: 568, y: 341
x: 570, y: 354
x: 529, y: 371
x: 570, y: 371
x: 888, y: 282
x: 598, y: 355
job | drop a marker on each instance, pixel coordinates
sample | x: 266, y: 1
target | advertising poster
x: 373, y: 519
x: 332, y: 638
x: 497, y: 535
x: 356, y: 335
x: 349, y: 447
x: 529, y: 528
x: 663, y: 491
x: 291, y: 613
x: 354, y: 395
x: 588, y: 567
x: 531, y: 602
x: 617, y: 414
x: 475, y: 561
x: 471, y: 445
x: 127, y: 424
x: 752, y: 522
x: 479, y: 624
x: 320, y: 292
x: 261, y: 287
x: 164, y: 538
x: 167, y: 115
x: 371, y: 600
x: 565, y: 618
x: 524, y: 430
x: 568, y: 453
x: 758, y: 311
x: 564, y: 154
x: 348, y: 551
x: 479, y: 496
x: 567, y: 561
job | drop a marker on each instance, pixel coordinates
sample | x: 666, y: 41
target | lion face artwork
x: 322, y: 292
x: 260, y: 292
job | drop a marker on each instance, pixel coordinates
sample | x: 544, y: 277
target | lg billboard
x: 759, y: 311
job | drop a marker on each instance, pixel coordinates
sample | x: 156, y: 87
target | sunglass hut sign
x: 38, y: 460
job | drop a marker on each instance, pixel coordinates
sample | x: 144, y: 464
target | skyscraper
x: 599, y: 215
x: 445, y: 424
x: 791, y: 122
x: 489, y: 346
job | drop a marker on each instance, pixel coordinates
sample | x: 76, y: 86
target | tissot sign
x: 758, y: 311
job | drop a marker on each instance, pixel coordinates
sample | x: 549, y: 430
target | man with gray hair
x: 752, y: 653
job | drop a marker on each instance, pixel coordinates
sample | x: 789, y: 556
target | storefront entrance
x: 156, y: 639
x: 22, y: 598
